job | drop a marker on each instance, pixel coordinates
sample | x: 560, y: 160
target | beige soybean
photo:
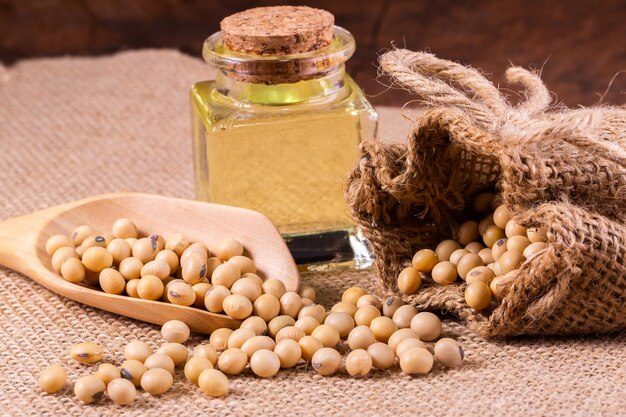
x: 474, y: 247
x: 239, y: 337
x: 131, y: 288
x: 89, y: 388
x: 132, y: 370
x: 107, y: 372
x: 467, y: 263
x: 316, y: 311
x: 327, y: 334
x: 501, y: 216
x: 416, y: 361
x: 533, y: 249
x: 382, y: 355
x: 121, y: 391
x: 326, y: 361
x: 509, y: 261
x: 159, y: 240
x: 194, y: 269
x: 445, y: 248
x: 250, y: 275
x: 361, y: 337
x: 214, y: 298
x: 86, y: 352
x: 358, y: 363
x: 343, y: 322
x: 480, y: 273
x: 170, y: 258
x: 424, y: 260
x: 197, y: 248
x: 352, y: 295
x: 457, y: 255
x: 278, y: 323
x: 383, y: 327
x: 391, y: 305
x: 225, y: 274
x: 535, y: 234
x: 205, y: 351
x: 403, y: 316
x: 60, y: 255
x: 290, y: 304
x: 237, y: 307
x: 478, y: 295
x: 219, y: 338
x: 289, y: 353
x: 369, y: 299
x: 200, y: 289
x: 91, y: 242
x: 407, y: 344
x: 468, y: 232
x: 444, y: 273
x: 81, y: 233
x: 517, y: 243
x: 340, y: 307
x: 194, y: 367
x: 409, y: 280
x: 309, y: 346
x: 213, y: 383
x: 256, y: 343
x: 513, y: 228
x: 111, y: 281
x: 72, y: 270
x: 157, y: 381
x: 229, y: 248
x: 306, y: 291
x: 52, y: 379
x: 264, y: 363
x: 267, y: 307
x: 232, y: 361
x: 145, y: 249
x: 499, y: 248
x: 274, y: 287
x: 485, y: 222
x: 175, y: 331
x: 160, y: 360
x: 245, y: 264
x: 247, y: 287
x: 119, y: 250
x: 130, y: 268
x: 307, y: 324
x: 159, y: 269
x: 55, y: 242
x: 486, y: 255
x: 398, y: 336
x: 137, y: 350
x: 448, y: 352
x: 256, y: 324
x: 124, y: 228
x: 365, y: 315
x: 177, y: 243
x: 492, y: 235
x: 150, y: 287
x: 426, y: 325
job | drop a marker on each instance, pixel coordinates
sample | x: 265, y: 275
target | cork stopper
x: 279, y: 30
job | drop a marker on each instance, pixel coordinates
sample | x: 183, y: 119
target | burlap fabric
x: 70, y: 128
x: 562, y: 171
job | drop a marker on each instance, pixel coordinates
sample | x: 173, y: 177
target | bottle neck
x: 313, y: 89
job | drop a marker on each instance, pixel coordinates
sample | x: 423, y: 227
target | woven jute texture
x: 70, y: 128
x: 559, y: 170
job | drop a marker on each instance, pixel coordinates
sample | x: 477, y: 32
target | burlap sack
x: 561, y: 170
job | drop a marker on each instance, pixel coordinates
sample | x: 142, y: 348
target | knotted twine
x: 561, y: 170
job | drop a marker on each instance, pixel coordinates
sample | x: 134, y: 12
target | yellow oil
x: 290, y: 165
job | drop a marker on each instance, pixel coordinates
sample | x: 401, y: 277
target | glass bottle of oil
x: 279, y: 134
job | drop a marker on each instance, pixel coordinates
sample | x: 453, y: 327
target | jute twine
x: 558, y: 169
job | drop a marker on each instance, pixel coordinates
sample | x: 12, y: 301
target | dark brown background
x: 580, y: 45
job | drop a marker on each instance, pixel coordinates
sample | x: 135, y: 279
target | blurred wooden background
x: 579, y: 44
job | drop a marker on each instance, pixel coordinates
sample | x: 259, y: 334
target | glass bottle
x: 279, y: 134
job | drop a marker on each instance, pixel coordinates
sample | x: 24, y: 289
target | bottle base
x: 330, y: 250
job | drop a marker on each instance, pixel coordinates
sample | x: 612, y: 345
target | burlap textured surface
x: 70, y: 128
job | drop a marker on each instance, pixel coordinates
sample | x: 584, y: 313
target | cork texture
x: 279, y: 30
x: 74, y: 127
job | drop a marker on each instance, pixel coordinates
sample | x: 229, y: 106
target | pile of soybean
x: 280, y: 329
x: 486, y: 254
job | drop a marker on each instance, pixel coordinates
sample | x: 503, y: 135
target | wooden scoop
x: 23, y: 239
